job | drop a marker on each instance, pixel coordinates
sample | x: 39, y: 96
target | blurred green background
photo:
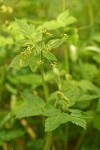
x: 84, y: 63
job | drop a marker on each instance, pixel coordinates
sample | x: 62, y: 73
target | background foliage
x: 78, y: 66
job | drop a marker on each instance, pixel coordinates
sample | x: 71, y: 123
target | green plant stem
x: 66, y: 59
x: 66, y: 129
x: 48, y: 136
x: 48, y: 139
x: 44, y: 85
x: 66, y: 55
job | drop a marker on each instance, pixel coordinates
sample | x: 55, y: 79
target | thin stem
x: 44, y: 85
x: 66, y: 132
x: 66, y: 55
x: 66, y: 59
x: 48, y: 141
x: 48, y: 137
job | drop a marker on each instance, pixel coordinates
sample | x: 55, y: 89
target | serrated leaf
x: 15, y: 62
x: 54, y: 122
x: 26, y: 60
x: 51, y: 111
x: 80, y: 114
x: 25, y: 28
x: 78, y: 121
x: 49, y: 55
x: 33, y: 105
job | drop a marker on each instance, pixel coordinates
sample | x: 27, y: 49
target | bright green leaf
x: 15, y: 62
x: 54, y: 122
x: 55, y: 43
x: 49, y: 55
x: 33, y: 105
x: 78, y: 121
x: 63, y: 15
x: 51, y: 111
x: 25, y: 28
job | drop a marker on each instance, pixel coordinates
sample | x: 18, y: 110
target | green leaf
x: 34, y: 64
x: 25, y: 60
x: 80, y: 114
x: 38, y: 37
x: 30, y: 79
x: 10, y: 135
x: 54, y: 122
x: 78, y: 121
x: 50, y: 25
x: 63, y: 15
x: 25, y: 28
x: 4, y: 117
x: 15, y: 62
x: 84, y: 97
x: 87, y: 85
x: 33, y: 105
x: 92, y: 48
x: 50, y: 111
x: 10, y: 88
x: 70, y: 20
x: 76, y: 94
x: 49, y: 55
x: 34, y: 67
x: 55, y: 43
